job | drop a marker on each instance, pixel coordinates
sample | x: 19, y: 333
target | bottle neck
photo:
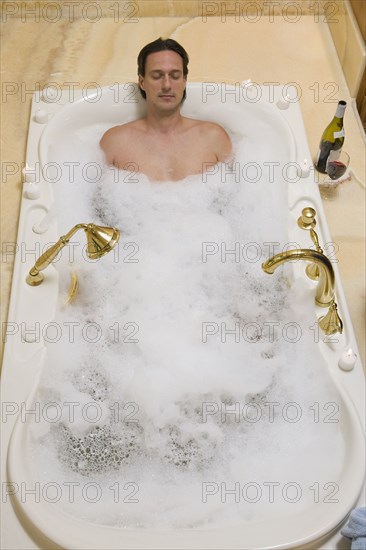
x: 340, y: 109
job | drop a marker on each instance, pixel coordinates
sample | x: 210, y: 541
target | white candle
x: 41, y: 116
x: 347, y: 360
x: 283, y: 103
x: 32, y: 190
x: 304, y: 169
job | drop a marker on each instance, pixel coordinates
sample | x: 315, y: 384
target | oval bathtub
x: 261, y: 504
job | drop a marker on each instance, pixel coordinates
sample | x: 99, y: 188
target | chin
x: 169, y: 106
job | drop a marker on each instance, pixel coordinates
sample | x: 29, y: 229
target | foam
x: 150, y: 375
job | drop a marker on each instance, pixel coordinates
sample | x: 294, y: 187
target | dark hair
x: 160, y: 45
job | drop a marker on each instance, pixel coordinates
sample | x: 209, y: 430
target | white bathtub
x: 41, y: 524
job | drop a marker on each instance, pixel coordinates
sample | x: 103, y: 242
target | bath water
x: 184, y: 387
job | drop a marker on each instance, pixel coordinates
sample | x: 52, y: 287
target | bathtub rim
x: 64, y: 112
x: 320, y: 209
x: 48, y: 521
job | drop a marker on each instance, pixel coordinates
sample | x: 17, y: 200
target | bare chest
x: 168, y: 159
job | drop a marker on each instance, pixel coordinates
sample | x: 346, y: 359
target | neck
x: 163, y: 122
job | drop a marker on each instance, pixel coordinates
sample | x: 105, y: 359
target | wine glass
x: 337, y: 164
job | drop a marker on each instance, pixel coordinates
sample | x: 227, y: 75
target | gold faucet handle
x: 315, y: 239
x: 307, y: 218
x: 307, y: 221
x: 35, y: 277
x: 331, y: 322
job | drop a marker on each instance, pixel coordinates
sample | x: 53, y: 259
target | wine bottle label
x: 331, y: 140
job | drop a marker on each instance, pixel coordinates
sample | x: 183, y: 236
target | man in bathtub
x: 164, y: 145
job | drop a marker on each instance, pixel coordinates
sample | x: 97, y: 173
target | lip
x: 170, y: 96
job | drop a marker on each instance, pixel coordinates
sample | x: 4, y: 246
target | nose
x: 166, y: 83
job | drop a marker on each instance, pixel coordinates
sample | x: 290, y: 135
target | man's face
x: 163, y: 82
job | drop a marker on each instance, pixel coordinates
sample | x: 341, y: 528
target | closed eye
x: 175, y: 75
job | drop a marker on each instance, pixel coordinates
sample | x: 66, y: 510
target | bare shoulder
x: 119, y: 132
x: 217, y: 137
x: 214, y: 130
x: 119, y: 138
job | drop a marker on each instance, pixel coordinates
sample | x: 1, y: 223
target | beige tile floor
x: 221, y: 49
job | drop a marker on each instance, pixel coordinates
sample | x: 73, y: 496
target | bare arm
x: 108, y: 145
x: 220, y: 142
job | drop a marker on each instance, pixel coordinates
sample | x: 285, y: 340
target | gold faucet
x: 307, y: 221
x: 320, y: 269
x: 100, y: 241
x: 325, y: 289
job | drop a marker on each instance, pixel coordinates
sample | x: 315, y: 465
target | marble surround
x: 230, y: 49
x: 167, y: 8
x: 349, y: 44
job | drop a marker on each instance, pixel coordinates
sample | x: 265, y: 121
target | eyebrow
x: 159, y: 71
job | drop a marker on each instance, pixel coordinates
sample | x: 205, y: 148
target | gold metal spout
x: 320, y: 269
x: 325, y: 289
x: 100, y: 241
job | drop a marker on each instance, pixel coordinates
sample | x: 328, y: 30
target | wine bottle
x: 332, y: 138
